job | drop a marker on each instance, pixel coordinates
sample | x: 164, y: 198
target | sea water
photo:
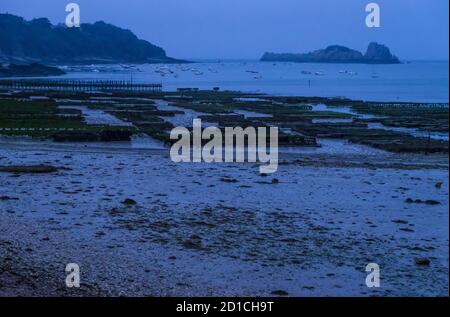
x: 416, y: 81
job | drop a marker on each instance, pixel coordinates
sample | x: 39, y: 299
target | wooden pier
x: 79, y: 85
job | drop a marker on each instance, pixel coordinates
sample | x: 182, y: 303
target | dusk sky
x: 413, y: 29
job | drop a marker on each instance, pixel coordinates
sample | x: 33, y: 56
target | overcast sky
x: 413, y: 29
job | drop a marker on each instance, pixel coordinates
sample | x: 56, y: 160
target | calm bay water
x: 415, y: 81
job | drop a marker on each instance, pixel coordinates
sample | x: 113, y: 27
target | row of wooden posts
x: 412, y: 105
x: 80, y: 85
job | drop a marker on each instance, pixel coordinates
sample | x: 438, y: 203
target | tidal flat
x: 344, y: 195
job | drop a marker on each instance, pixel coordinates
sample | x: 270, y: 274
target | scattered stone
x: 438, y: 185
x: 129, y: 202
x: 422, y: 261
x: 194, y: 242
x: 280, y: 293
x: 399, y: 221
x: 3, y: 198
x: 275, y: 181
x: 420, y: 201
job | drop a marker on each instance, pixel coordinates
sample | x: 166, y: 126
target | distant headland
x: 375, y: 54
x: 25, y: 42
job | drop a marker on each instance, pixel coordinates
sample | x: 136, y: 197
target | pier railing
x: 79, y: 85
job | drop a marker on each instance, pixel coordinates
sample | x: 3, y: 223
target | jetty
x: 79, y: 85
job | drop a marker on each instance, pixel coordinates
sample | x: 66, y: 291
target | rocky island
x: 39, y: 41
x: 375, y: 54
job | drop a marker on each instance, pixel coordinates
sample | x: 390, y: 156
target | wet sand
x: 221, y: 229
